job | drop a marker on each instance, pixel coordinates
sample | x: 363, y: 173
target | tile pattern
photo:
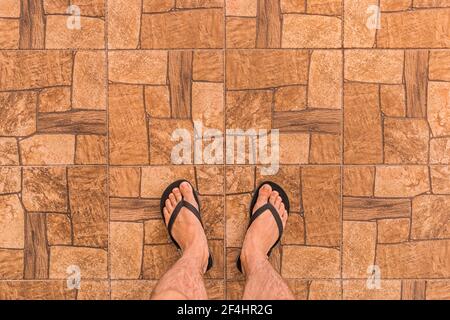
x: 86, y: 123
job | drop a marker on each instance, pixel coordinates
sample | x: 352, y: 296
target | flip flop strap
x: 182, y: 204
x: 275, y: 214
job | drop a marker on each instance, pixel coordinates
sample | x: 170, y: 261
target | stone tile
x: 12, y: 217
x: 138, y: 67
x: 374, y: 66
x: 185, y: 4
x: 327, y: 7
x: 180, y: 84
x: 90, y: 36
x: 431, y: 4
x: 128, y: 135
x: 89, y: 80
x: 216, y: 248
x: 401, y: 181
x: 10, y: 9
x: 362, y: 126
x: 124, y: 23
x: 393, y: 230
x: 155, y: 179
x: 413, y: 289
x: 359, y: 245
x: 264, y: 69
x: 418, y: 260
x: 438, y: 290
x: 35, y: 69
x: 11, y: 264
x: 168, y: 30
x: 36, y: 251
x: 56, y: 6
x: 94, y: 290
x: 356, y: 32
x: 406, y: 141
x: 359, y: 181
x: 134, y: 210
x: 321, y: 203
x: 440, y: 151
x: 157, y: 5
x: 440, y: 183
x: 213, y: 216
x: 430, y: 216
x: 300, y: 31
x: 325, y: 149
x: 415, y: 29
x: 325, y: 290
x: 48, y: 150
x: 393, y: 5
x: 124, y: 182
x: 132, y: 289
x: 439, y: 69
x: 157, y: 101
x: 237, y: 218
x: 9, y: 33
x: 208, y: 66
x: 439, y: 108
x: 291, y: 98
x: 208, y: 104
x: 76, y: 122
x: 293, y: 6
x: 9, y: 152
x: 55, y: 99
x: 91, y: 8
x: 232, y: 255
x: 92, y: 262
x: 416, y: 81
x: 156, y: 232
x: 36, y: 290
x: 358, y: 290
x: 158, y: 260
x: 235, y: 290
x: 258, y: 104
x: 247, y: 8
x: 241, y: 32
x: 393, y: 102
x: 368, y: 209
x: 17, y: 113
x: 240, y: 179
x: 44, y: 189
x: 10, y: 180
x: 310, y: 262
x: 125, y: 245
x: 215, y: 289
x: 294, y: 148
x: 299, y: 288
x: 210, y: 180
x: 88, y: 205
x: 91, y: 149
x: 325, y: 80
x: 294, y: 233
x: 59, y: 229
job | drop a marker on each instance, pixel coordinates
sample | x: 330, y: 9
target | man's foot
x: 187, y: 229
x: 263, y: 232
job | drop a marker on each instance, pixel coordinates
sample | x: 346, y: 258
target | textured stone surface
x: 10, y: 180
x: 17, y: 113
x: 401, y: 181
x: 439, y: 108
x: 430, y: 216
x: 12, y: 217
x: 48, y: 150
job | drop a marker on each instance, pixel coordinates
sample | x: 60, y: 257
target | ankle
x: 198, y: 255
x: 251, y: 260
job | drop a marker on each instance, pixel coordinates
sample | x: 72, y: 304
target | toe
x: 188, y: 193
x: 177, y: 194
x: 169, y: 206
x: 278, y: 202
x: 173, y: 200
x: 273, y: 197
x: 263, y: 196
x: 166, y: 215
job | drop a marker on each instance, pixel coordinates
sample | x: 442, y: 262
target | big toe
x: 263, y: 196
x: 188, y: 192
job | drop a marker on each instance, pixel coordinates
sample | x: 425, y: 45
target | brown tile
x: 419, y: 259
x: 208, y: 66
x: 439, y: 65
x: 35, y: 69
x: 9, y: 152
x: 89, y: 36
x: 439, y: 151
x: 132, y: 289
x: 439, y: 179
x: 359, y: 245
x: 325, y: 80
x: 127, y: 126
x: 263, y: 69
x: 393, y: 230
x: 32, y: 25
x: 124, y: 23
x: 310, y: 262
x: 438, y: 108
x: 215, y: 289
x: 125, y: 249
x: 55, y: 99
x: 157, y: 5
x: 291, y: 98
x: 158, y: 260
x: 213, y: 216
x: 36, y: 290
x: 374, y: 66
x: 325, y: 149
x: 91, y: 8
x: 232, y: 255
x: 36, y: 253
x: 293, y: 6
x: 258, y: 104
x: 124, y: 182
x: 415, y: 29
x: 76, y: 122
x: 134, y: 210
x: 235, y: 290
x: 156, y: 179
x: 268, y: 32
x: 247, y: 8
x: 59, y: 229
x: 208, y: 104
x: 358, y: 181
x: 157, y: 101
x: 358, y: 290
x: 294, y: 233
x: 241, y: 32
x: 430, y: 216
x: 413, y: 290
x: 367, y: 209
x: 94, y: 290
x: 406, y: 141
x: 168, y: 30
x: 156, y: 232
x: 56, y: 6
x: 216, y: 248
x: 11, y: 264
x: 362, y: 126
x: 299, y: 288
x: 300, y: 31
x: 18, y: 113
x: 199, y: 4
x: 356, y: 32
x: 10, y: 9
x: 438, y: 290
x: 395, y: 5
x: 325, y: 290
x: 44, y: 189
x: 180, y: 85
x: 91, y: 149
x: 92, y: 262
x: 10, y: 180
x: 294, y: 148
x: 321, y: 203
x: 210, y: 180
x: 393, y: 100
x: 48, y: 150
x: 416, y: 79
x: 10, y: 33
x: 240, y: 179
x: 431, y: 3
x: 237, y: 218
x: 401, y: 181
x: 88, y: 205
x: 138, y: 67
x: 327, y: 7
x: 89, y: 80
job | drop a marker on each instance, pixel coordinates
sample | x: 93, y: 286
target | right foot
x: 263, y: 232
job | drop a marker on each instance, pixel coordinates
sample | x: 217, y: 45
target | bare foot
x: 187, y: 229
x: 263, y: 232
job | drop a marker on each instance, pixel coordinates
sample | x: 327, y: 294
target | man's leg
x: 184, y: 281
x: 263, y: 282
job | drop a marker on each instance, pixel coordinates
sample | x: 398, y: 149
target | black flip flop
x: 264, y: 208
x: 182, y: 204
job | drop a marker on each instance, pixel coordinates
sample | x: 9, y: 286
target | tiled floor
x: 86, y: 119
